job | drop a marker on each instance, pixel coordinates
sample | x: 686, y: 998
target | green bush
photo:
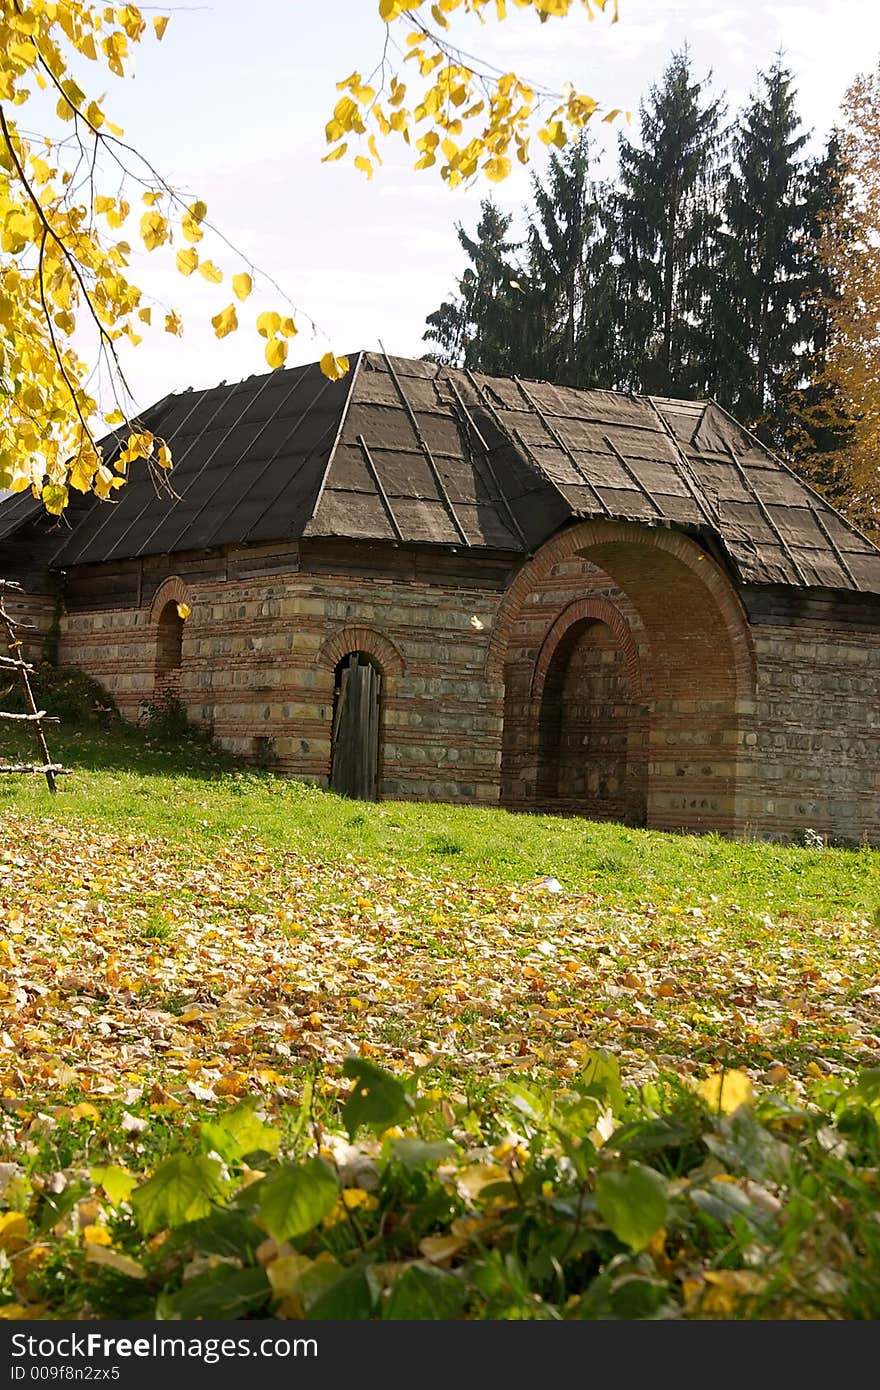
x: 66, y: 694
x: 669, y: 1202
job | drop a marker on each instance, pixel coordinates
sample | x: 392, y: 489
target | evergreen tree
x: 486, y: 325
x: 569, y: 273
x: 768, y: 297
x: 666, y: 237
x: 819, y: 430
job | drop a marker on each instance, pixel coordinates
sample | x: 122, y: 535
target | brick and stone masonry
x: 618, y: 673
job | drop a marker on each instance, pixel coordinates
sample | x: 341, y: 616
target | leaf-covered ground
x: 181, y: 941
x: 131, y: 963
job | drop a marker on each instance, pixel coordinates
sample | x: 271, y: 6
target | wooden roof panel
x: 427, y: 454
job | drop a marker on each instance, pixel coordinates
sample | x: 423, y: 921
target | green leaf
x: 225, y: 1292
x: 418, y: 1153
x: 378, y: 1099
x: 296, y: 1197
x: 182, y: 1189
x: 117, y: 1182
x: 633, y: 1204
x: 868, y: 1085
x: 600, y: 1077
x: 238, y: 1132
x: 227, y: 1231
x: 54, y: 1206
x: 332, y: 1293
x: 425, y: 1293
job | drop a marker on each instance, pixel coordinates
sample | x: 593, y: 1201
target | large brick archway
x: 629, y: 681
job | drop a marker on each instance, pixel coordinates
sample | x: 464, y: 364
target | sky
x: 232, y: 106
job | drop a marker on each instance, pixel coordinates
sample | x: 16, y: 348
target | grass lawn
x: 178, y: 935
x: 288, y: 926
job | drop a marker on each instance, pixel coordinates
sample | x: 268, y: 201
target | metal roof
x: 411, y: 452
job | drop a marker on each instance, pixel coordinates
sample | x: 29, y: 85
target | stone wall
x: 259, y: 655
x: 817, y: 724
x: 754, y: 714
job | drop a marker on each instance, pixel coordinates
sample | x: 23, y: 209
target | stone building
x: 421, y: 583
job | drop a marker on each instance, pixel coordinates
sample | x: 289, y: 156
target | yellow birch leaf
x: 242, y: 284
x: 287, y: 327
x: 497, y: 169
x: 154, y: 230
x: 268, y: 323
x: 335, y: 154
x: 361, y: 162
x: 210, y: 272
x: 174, y: 324
x: 225, y: 322
x: 160, y: 24
x: 54, y: 497
x: 84, y: 1111
x: 276, y: 352
x: 183, y: 611
x: 334, y: 367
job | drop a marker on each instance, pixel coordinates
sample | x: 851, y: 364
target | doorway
x: 354, y: 756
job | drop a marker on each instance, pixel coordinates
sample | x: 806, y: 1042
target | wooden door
x: 354, y: 765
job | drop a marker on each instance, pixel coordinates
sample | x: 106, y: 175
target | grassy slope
x: 176, y: 934
x: 185, y: 793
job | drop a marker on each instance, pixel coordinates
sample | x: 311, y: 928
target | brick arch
x: 361, y: 639
x: 171, y: 590
x: 589, y: 537
x: 682, y: 748
x: 585, y: 610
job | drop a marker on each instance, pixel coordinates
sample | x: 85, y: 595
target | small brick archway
x: 587, y: 691
x: 168, y: 625
x: 629, y: 681
x: 370, y: 647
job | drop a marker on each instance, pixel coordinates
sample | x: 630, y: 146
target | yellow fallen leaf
x: 97, y: 1235
x: 728, y: 1288
x: 17, y: 1312
x: 284, y: 1273
x: 112, y: 1259
x: 726, y: 1091
x: 354, y: 1197
x: 83, y: 1111
x: 472, y: 1180
x: 440, y: 1248
x: 13, y: 1232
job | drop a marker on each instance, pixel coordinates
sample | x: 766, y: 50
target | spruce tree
x: 819, y: 428
x: 569, y: 273
x: 766, y: 321
x: 485, y: 326
x: 667, y: 216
